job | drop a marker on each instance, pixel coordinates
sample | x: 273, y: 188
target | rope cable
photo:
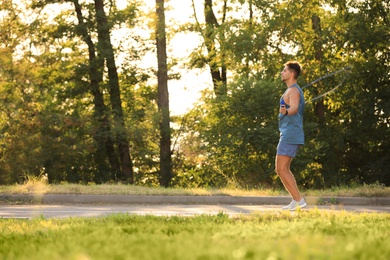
x: 327, y: 76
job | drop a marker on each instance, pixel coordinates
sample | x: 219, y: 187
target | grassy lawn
x: 39, y: 186
x: 309, y: 234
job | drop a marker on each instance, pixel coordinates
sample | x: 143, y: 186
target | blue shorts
x: 289, y: 150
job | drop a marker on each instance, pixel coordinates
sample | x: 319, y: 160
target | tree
x: 105, y: 143
x: 40, y: 128
x: 109, y: 124
x: 366, y: 113
x: 214, y: 41
x: 163, y: 97
x: 106, y: 50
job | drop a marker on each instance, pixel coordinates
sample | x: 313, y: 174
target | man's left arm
x: 294, y: 99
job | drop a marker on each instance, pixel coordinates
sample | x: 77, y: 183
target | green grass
x: 309, y: 234
x: 37, y: 186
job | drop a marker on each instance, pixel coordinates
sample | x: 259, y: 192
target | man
x: 291, y: 132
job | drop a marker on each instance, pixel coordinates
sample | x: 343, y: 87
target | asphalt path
x: 92, y: 210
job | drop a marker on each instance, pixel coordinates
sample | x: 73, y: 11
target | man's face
x: 286, y: 74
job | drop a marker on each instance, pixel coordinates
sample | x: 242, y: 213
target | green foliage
x: 142, y: 124
x: 237, y: 134
x: 48, y: 118
x: 346, y: 132
x: 322, y: 235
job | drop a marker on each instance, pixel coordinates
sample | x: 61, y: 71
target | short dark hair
x: 295, y: 67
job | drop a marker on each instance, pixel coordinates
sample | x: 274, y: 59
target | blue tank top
x: 291, y: 126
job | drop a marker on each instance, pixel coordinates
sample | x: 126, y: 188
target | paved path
x: 88, y: 210
x: 74, y: 205
x: 202, y: 200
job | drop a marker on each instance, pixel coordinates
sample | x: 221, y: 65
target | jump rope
x: 346, y: 69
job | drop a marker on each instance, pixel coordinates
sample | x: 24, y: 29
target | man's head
x: 294, y: 67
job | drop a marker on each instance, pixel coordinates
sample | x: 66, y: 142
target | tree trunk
x: 102, y: 136
x: 316, y: 26
x: 106, y: 50
x: 163, y: 97
x: 217, y: 68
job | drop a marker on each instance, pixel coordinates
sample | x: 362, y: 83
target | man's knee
x: 281, y: 164
x: 277, y: 169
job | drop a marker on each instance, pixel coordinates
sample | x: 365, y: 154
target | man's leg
x: 282, y: 168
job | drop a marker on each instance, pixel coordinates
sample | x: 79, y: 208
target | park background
x: 81, y: 92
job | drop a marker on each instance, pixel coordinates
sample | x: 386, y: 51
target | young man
x: 291, y: 132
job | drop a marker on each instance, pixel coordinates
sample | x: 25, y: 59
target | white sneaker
x: 292, y: 204
x: 300, y: 204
